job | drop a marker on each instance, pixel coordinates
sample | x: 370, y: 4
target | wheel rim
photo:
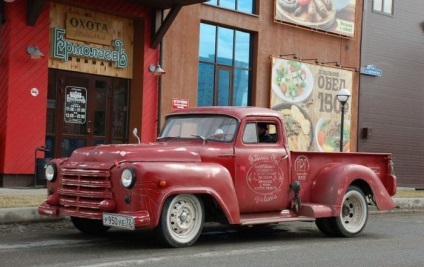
x: 184, y: 218
x: 354, y: 212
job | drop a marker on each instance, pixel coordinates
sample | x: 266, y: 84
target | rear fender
x: 191, y: 178
x: 332, y: 182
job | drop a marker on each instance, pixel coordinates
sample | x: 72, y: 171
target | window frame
x: 253, y: 12
x: 381, y: 11
x: 233, y: 69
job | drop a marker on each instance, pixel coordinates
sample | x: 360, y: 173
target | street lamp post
x: 342, y: 96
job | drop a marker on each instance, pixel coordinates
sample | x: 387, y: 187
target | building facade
x: 390, y: 100
x: 96, y: 81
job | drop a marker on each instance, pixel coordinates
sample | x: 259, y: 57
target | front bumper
x: 141, y: 218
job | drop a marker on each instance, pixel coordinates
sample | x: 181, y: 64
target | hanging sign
x: 75, y: 104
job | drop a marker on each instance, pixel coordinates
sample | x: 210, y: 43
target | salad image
x: 291, y: 80
x: 328, y: 135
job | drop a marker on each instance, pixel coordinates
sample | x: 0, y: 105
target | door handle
x: 89, y: 127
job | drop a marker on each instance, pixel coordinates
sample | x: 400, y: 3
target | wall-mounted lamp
x: 310, y: 59
x: 294, y: 56
x: 34, y: 52
x: 157, y: 70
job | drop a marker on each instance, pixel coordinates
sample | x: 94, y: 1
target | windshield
x: 213, y: 127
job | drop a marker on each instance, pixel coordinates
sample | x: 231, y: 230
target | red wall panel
x: 23, y: 116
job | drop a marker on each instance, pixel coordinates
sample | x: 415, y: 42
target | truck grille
x: 82, y: 191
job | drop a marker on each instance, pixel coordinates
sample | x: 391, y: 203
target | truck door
x: 261, y: 167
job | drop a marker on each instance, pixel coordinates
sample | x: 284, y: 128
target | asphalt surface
x: 21, y: 215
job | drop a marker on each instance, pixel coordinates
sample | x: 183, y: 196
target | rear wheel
x: 353, y: 215
x: 89, y: 226
x: 181, y: 220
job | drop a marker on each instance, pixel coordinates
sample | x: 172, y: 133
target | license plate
x: 121, y: 221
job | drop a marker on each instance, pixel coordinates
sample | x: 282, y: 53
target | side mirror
x: 135, y: 134
x: 219, y: 134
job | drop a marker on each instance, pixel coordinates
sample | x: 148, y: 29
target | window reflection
x: 246, y: 6
x: 224, y: 79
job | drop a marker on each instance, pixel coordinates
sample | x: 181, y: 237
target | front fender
x: 333, y: 180
x: 188, y: 178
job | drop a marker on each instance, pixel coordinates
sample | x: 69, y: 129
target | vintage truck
x: 207, y: 165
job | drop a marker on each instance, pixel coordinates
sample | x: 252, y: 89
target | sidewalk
x: 30, y: 214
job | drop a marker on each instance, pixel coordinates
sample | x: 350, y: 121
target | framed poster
x: 305, y: 94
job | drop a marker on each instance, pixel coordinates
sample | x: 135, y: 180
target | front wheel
x: 181, y: 221
x: 353, y: 214
x: 89, y: 226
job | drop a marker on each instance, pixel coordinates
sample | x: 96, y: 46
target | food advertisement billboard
x: 305, y: 94
x: 330, y: 16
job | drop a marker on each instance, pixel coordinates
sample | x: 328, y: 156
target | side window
x: 260, y: 132
x: 250, y: 134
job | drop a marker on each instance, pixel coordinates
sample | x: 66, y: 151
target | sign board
x: 371, y: 70
x: 179, y: 103
x: 75, y: 104
x: 330, y: 16
x: 88, y: 29
x: 305, y: 94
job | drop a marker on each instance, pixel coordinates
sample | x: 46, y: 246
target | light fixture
x: 34, y: 52
x: 9, y: 1
x: 331, y: 62
x: 310, y: 59
x: 294, y: 56
x: 343, y: 96
x: 157, y: 70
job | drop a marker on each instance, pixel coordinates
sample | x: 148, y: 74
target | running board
x: 272, y: 217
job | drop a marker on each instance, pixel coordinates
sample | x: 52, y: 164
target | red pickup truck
x: 209, y: 164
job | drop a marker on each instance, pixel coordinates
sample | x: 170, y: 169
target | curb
x: 22, y: 215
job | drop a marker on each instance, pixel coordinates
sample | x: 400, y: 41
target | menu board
x: 75, y: 104
x: 331, y: 16
x: 305, y: 94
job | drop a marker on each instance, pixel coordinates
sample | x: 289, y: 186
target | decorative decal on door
x: 301, y: 167
x: 264, y: 177
x: 75, y: 104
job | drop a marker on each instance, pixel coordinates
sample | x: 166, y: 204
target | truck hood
x: 105, y: 156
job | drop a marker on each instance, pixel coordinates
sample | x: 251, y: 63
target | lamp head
x: 343, y: 96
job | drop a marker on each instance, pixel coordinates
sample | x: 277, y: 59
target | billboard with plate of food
x: 305, y: 94
x: 330, y: 16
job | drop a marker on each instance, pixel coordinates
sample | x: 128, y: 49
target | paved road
x: 389, y: 239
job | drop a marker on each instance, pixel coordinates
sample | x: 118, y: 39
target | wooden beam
x: 158, y: 35
x: 34, y: 9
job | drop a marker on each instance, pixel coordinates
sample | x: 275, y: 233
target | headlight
x: 50, y: 172
x: 128, y: 178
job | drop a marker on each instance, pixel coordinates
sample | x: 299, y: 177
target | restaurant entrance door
x: 85, y: 110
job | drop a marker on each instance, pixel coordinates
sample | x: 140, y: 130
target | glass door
x: 85, y: 109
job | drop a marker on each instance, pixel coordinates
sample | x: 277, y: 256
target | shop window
x: 384, y: 7
x: 246, y: 6
x: 224, y: 66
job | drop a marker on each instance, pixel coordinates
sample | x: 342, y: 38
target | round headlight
x: 128, y: 178
x: 50, y: 172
